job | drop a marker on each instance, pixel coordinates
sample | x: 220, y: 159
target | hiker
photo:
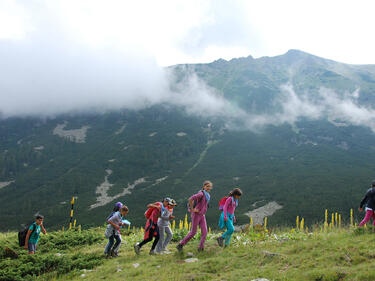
x: 151, y: 229
x: 227, y: 217
x: 369, y: 199
x: 32, y: 236
x: 112, y: 232
x: 116, y: 208
x: 163, y: 224
x: 198, y: 204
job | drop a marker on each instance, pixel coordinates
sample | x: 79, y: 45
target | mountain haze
x: 296, y: 129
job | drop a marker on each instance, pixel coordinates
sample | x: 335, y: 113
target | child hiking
x: 32, y: 236
x: 151, y: 229
x: 198, y: 204
x: 112, y: 232
x: 163, y: 224
x: 369, y: 199
x: 227, y: 218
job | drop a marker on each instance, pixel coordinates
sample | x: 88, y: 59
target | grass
x: 340, y: 254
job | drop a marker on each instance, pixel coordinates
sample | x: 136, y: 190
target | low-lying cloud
x: 49, y: 72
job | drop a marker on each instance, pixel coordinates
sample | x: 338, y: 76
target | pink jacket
x: 201, y: 201
x: 229, y: 206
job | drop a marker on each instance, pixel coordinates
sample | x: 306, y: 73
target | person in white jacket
x: 163, y: 224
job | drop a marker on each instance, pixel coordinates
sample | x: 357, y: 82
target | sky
x: 59, y: 56
x: 175, y: 31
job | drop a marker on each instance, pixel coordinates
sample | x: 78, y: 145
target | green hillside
x: 142, y: 156
x: 279, y: 254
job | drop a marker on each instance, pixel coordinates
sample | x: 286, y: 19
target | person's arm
x: 110, y: 221
x: 191, y: 201
x: 226, y: 206
x: 43, y: 229
x: 154, y: 205
x: 27, y: 238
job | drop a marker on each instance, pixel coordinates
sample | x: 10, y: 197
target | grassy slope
x: 338, y: 255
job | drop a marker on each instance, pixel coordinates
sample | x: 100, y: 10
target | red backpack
x: 150, y: 210
x: 222, y: 202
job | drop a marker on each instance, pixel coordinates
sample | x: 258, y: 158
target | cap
x: 169, y: 200
x: 173, y: 202
x: 118, y: 204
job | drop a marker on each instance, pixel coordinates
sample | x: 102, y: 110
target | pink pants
x: 369, y: 214
x: 196, y: 219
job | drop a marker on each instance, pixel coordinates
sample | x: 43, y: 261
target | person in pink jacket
x: 198, y: 204
x: 227, y: 217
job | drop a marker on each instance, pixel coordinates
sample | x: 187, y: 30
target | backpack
x: 110, y: 216
x: 22, y: 234
x: 195, y: 203
x: 222, y: 202
x: 150, y: 210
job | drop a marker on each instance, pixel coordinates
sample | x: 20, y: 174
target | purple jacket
x: 201, y: 202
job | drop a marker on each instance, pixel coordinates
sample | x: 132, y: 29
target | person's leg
x: 373, y: 218
x: 203, y: 226
x: 32, y: 248
x: 117, y: 245
x: 109, y: 245
x: 194, y: 225
x: 366, y: 218
x: 157, y: 237
x: 159, y: 246
x: 230, y: 230
x: 169, y: 237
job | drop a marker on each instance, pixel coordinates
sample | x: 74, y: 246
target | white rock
x: 191, y: 260
x: 190, y: 254
x: 58, y: 254
x: 83, y: 275
x: 136, y: 265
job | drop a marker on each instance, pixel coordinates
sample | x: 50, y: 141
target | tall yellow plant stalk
x: 265, y: 223
x: 173, y: 225
x: 336, y: 219
x: 186, y: 224
x: 333, y: 220
x: 326, y: 219
x: 302, y: 224
x: 181, y: 225
x: 297, y: 222
x: 339, y: 220
x: 351, y: 217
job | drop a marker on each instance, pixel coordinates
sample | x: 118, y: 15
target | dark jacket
x: 369, y: 198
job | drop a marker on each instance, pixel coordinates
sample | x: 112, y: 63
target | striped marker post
x: 71, y: 214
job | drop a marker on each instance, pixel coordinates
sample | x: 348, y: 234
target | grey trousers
x: 163, y: 242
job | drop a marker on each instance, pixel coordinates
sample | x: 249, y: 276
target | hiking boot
x: 137, y: 249
x: 200, y: 249
x: 179, y: 248
x: 153, y: 252
x: 220, y: 241
x: 114, y: 254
